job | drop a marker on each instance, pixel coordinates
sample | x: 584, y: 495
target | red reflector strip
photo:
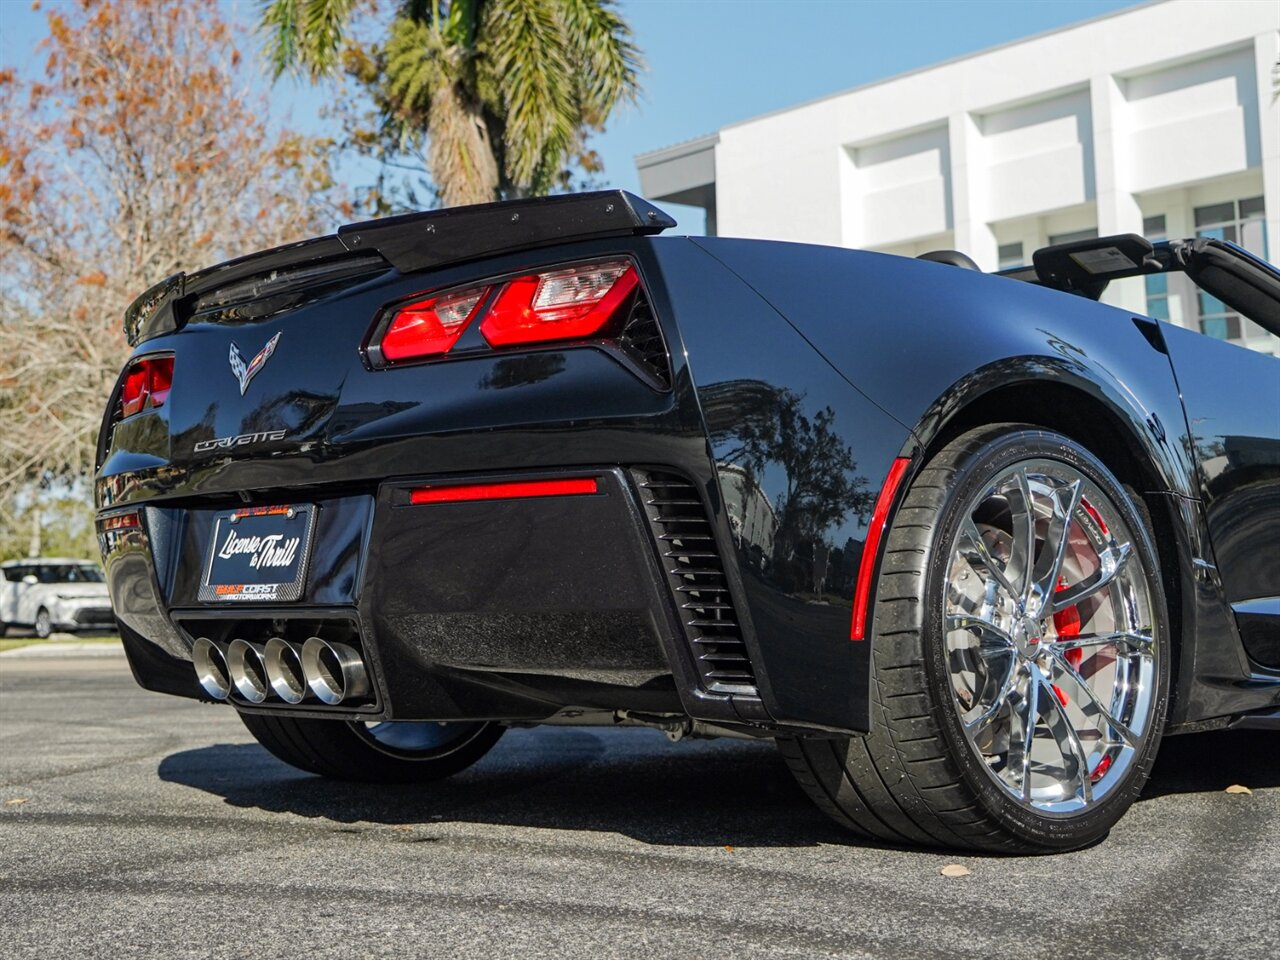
x: 121, y: 521
x: 514, y: 490
x: 871, y: 548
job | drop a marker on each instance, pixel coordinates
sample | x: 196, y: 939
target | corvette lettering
x: 226, y: 443
x: 274, y: 550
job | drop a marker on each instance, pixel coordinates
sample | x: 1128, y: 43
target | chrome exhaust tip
x: 284, y: 670
x: 211, y: 668
x: 334, y: 671
x: 247, y: 669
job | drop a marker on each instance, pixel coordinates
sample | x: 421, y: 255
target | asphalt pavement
x: 138, y: 825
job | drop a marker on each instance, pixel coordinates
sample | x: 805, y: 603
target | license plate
x: 258, y: 554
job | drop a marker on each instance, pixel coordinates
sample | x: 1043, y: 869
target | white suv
x: 49, y: 594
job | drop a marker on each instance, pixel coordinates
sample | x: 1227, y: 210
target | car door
x: 9, y: 587
x: 19, y: 591
x: 1232, y: 401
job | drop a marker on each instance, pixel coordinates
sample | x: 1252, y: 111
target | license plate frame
x: 258, y: 554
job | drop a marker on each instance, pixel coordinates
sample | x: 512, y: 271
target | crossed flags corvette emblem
x: 246, y: 372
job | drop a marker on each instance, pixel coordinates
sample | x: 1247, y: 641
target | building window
x: 1153, y: 228
x: 1073, y: 236
x: 1010, y: 256
x: 1243, y: 223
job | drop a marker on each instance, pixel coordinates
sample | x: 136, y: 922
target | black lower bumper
x: 504, y: 609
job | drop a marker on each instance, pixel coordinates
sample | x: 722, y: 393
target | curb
x: 43, y: 650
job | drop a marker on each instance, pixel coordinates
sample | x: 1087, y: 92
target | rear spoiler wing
x: 407, y: 243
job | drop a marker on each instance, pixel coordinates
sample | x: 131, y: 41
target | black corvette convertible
x: 966, y: 546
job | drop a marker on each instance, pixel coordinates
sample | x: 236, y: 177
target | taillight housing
x: 596, y: 302
x: 573, y: 303
x: 429, y: 328
x: 145, y: 385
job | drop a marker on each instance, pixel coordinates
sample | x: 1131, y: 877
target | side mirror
x: 30, y: 578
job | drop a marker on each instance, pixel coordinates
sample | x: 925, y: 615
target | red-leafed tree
x: 133, y: 152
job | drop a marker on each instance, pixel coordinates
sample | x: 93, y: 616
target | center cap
x: 1026, y: 634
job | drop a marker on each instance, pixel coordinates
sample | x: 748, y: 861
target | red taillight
x: 871, y: 547
x: 512, y: 490
x: 133, y: 392
x: 430, y: 327
x: 161, y: 370
x: 146, y: 385
x: 567, y: 304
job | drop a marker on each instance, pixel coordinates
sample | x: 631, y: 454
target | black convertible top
x: 1243, y: 282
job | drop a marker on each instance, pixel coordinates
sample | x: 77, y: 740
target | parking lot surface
x: 137, y: 825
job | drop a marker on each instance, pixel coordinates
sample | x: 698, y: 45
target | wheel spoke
x: 1104, y: 709
x: 979, y: 724
x: 1137, y: 642
x: 977, y: 549
x: 1048, y: 567
x: 1023, y: 550
x: 1113, y: 561
x: 1022, y: 733
x: 968, y: 621
x: 1075, y: 762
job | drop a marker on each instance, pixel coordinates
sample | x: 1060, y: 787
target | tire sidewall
x: 1004, y: 449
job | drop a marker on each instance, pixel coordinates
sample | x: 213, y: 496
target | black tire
x: 43, y: 624
x: 916, y: 778
x: 343, y: 751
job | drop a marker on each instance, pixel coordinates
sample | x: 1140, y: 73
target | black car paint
x: 983, y: 337
x: 832, y: 338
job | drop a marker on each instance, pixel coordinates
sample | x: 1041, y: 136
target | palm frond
x: 419, y: 62
x: 608, y: 61
x: 524, y: 54
x: 279, y: 24
x: 304, y: 34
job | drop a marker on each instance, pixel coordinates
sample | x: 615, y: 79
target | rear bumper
x: 505, y: 609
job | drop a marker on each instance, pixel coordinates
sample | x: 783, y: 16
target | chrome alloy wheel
x: 1049, y: 633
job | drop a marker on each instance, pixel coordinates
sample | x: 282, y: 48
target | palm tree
x: 506, y: 91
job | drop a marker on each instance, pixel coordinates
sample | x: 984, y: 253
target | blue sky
x: 716, y: 62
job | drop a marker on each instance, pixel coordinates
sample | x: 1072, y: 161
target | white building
x: 1160, y: 119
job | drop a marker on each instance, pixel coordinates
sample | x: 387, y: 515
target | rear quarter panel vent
x: 691, y: 562
x: 641, y: 338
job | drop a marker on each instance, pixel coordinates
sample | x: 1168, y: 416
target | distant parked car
x: 48, y: 594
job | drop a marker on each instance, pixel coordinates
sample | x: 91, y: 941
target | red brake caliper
x: 1066, y: 623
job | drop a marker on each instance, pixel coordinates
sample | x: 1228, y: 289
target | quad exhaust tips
x: 284, y: 670
x: 334, y: 671
x: 211, y: 668
x: 248, y: 670
x: 330, y: 671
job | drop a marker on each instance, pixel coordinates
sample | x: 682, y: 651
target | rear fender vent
x: 687, y: 550
x: 641, y: 339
